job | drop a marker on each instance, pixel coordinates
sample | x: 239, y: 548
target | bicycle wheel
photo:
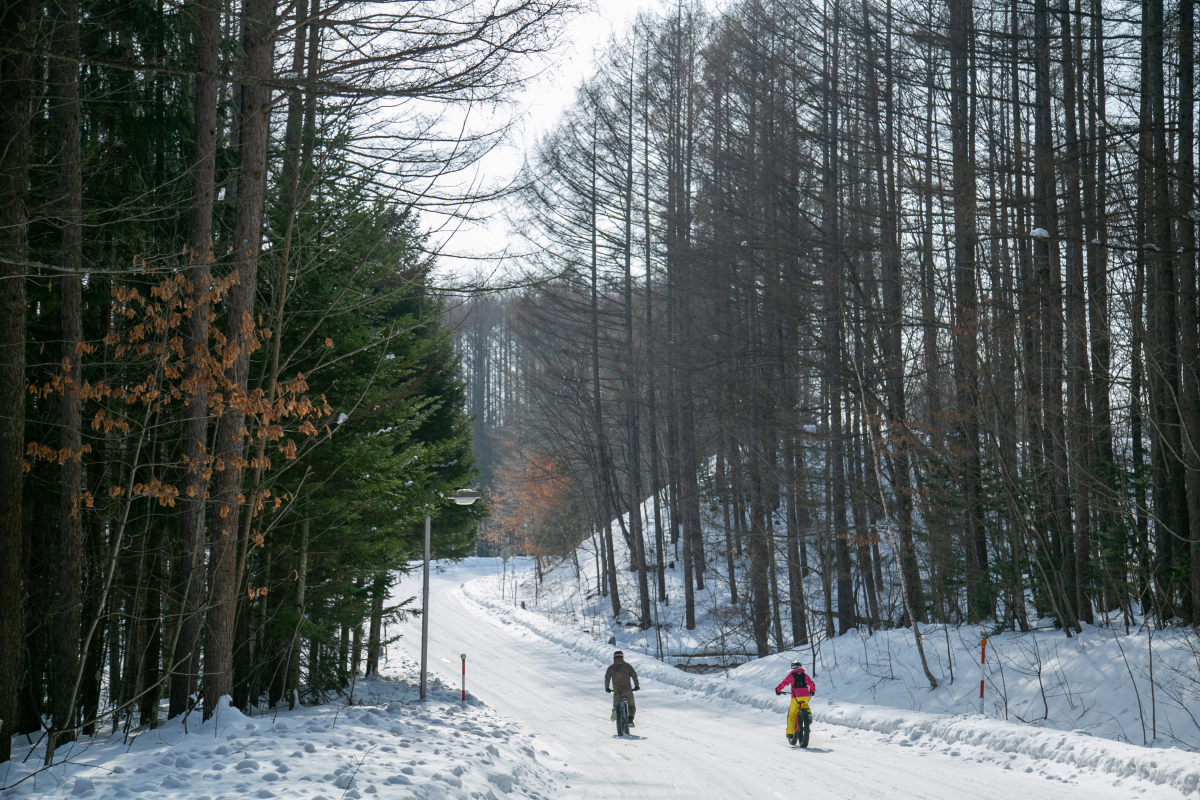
x: 805, y: 727
x: 622, y: 717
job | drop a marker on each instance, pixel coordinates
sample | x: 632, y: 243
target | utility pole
x: 463, y: 497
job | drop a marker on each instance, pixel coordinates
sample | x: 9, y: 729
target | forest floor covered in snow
x: 387, y: 744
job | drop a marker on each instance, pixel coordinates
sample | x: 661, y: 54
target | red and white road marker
x: 464, y: 679
x: 982, y: 659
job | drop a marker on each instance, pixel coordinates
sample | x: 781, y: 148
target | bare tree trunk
x: 1111, y: 530
x: 898, y: 435
x: 298, y: 608
x: 1077, y: 376
x: 375, y: 634
x: 257, y: 31
x: 190, y: 575
x: 798, y: 524
x: 723, y: 491
x: 17, y: 28
x: 1170, y: 518
x: 760, y: 599
x: 966, y: 305
x: 64, y: 112
x: 638, y: 556
x: 1189, y: 318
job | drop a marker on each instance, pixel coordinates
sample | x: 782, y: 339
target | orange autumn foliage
x: 530, y: 503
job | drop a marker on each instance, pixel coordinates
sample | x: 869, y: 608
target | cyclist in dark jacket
x: 620, y: 675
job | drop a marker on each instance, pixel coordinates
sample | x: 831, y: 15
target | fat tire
x: 622, y: 717
x: 805, y: 728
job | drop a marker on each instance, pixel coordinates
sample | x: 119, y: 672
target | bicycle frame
x: 622, y: 709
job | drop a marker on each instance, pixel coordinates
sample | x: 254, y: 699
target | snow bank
x: 388, y: 745
x: 1172, y: 767
x: 752, y: 685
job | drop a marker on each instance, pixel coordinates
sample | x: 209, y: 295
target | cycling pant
x: 628, y: 698
x: 793, y: 709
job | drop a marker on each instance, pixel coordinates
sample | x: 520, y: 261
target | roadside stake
x: 982, y: 658
x: 464, y: 679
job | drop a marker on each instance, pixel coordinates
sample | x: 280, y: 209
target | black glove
x: 777, y: 692
x: 608, y: 690
x: 813, y: 692
x: 637, y: 688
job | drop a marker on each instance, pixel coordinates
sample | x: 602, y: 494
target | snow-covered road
x: 689, y: 745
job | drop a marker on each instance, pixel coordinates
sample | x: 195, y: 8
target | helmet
x: 797, y: 665
x: 618, y: 654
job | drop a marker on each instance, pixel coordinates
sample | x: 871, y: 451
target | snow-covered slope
x: 387, y: 745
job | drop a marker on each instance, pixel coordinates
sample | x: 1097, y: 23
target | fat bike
x: 621, y: 711
x: 799, y: 722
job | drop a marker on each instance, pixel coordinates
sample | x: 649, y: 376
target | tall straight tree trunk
x: 64, y: 112
x: 375, y: 633
x: 631, y: 406
x: 1029, y: 310
x: 966, y: 305
x: 1076, y: 322
x: 1189, y: 318
x: 928, y: 282
x: 190, y: 574
x: 693, y: 544
x: 1137, y: 367
x: 1111, y: 530
x: 598, y: 416
x: 17, y: 29
x: 1060, y: 571
x: 893, y: 321
x: 298, y: 609
x: 151, y: 686
x: 837, y: 457
x: 651, y: 398
x: 834, y: 329
x: 723, y: 491
x: 1012, y: 325
x: 241, y: 339
x: 760, y: 598
x: 93, y: 663
x: 868, y: 526
x: 798, y: 521
x: 1170, y: 519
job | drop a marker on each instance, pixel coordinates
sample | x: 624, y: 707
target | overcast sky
x: 537, y: 109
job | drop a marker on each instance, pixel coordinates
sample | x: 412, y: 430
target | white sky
x: 537, y: 110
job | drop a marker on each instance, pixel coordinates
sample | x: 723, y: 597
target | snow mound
x: 438, y: 748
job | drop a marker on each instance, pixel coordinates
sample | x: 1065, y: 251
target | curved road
x: 689, y: 746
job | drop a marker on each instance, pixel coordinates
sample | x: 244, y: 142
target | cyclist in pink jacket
x: 802, y: 688
x: 802, y: 685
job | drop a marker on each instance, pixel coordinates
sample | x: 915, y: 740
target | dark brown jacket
x: 620, y: 674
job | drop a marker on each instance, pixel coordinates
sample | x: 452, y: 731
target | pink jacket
x: 802, y: 685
